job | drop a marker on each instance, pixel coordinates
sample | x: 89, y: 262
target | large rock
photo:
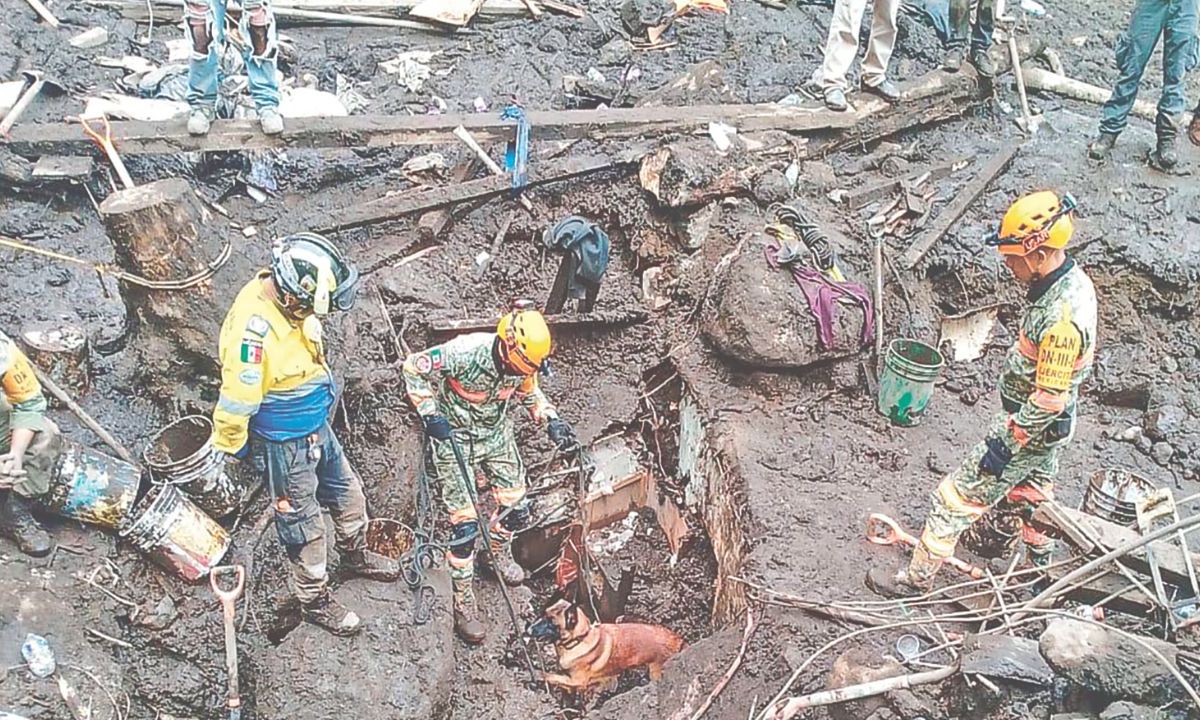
x: 1007, y: 658
x: 855, y: 667
x: 1105, y: 662
x: 392, y: 670
x: 762, y: 318
x: 1128, y: 711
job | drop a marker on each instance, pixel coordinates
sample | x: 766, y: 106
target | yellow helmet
x: 1035, y: 221
x: 524, y: 339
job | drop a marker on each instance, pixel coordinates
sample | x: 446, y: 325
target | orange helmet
x: 524, y: 339
x: 1035, y: 221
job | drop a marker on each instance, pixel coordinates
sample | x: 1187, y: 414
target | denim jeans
x: 1175, y: 22
x: 204, y: 70
x: 960, y: 24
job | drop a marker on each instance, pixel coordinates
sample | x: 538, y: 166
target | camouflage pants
x: 492, y: 453
x: 966, y: 494
x: 40, y: 457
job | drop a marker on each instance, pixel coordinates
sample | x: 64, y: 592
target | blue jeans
x: 204, y: 71
x: 1175, y: 22
x: 960, y: 23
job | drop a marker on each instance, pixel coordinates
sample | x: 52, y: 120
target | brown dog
x: 597, y: 654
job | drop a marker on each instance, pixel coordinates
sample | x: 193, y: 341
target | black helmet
x: 310, y: 268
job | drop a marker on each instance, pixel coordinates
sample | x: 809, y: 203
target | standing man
x: 1039, y: 389
x: 1175, y: 22
x: 462, y: 390
x: 278, y: 392
x: 206, y: 28
x: 29, y: 447
x: 842, y: 47
x: 980, y: 36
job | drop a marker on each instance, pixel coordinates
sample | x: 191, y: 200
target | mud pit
x: 775, y: 472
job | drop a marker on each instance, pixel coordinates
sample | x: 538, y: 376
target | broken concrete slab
x: 1103, y: 661
x: 1007, y: 658
x: 1124, y: 710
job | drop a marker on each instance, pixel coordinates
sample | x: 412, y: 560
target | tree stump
x: 162, y: 231
x: 62, y: 351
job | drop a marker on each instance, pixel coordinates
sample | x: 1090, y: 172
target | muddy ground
x: 810, y: 456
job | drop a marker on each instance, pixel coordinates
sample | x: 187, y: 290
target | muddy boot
x: 953, y: 59
x: 1166, y: 152
x: 467, y: 624
x: 270, y: 120
x: 910, y: 580
x: 200, y: 120
x: 18, y: 524
x: 983, y: 63
x: 1102, y: 147
x: 501, y: 562
x: 330, y: 614
x: 372, y: 566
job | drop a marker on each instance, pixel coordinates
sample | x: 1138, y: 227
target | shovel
x: 35, y: 82
x: 229, y: 600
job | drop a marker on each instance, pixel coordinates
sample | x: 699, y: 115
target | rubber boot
x: 910, y: 580
x: 1102, y: 147
x: 372, y: 566
x: 467, y: 624
x: 501, y: 562
x: 18, y: 524
x: 328, y: 613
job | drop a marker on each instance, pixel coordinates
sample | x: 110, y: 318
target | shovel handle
x: 231, y: 594
x: 105, y: 143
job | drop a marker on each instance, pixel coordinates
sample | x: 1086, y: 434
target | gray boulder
x: 1113, y: 665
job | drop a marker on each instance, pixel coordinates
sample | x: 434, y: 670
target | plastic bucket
x: 176, y: 533
x: 181, y: 454
x: 92, y: 487
x: 910, y: 369
x: 1113, y: 494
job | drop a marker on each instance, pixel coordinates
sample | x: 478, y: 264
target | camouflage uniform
x: 23, y: 406
x: 1039, y: 388
x: 460, y: 380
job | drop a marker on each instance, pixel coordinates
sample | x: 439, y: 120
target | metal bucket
x: 181, y: 454
x: 176, y: 533
x: 1113, y: 494
x: 92, y: 487
x: 910, y: 369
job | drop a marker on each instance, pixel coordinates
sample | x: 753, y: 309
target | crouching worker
x: 29, y: 448
x: 277, y: 390
x: 462, y: 390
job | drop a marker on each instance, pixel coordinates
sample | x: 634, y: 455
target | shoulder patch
x: 437, y: 358
x: 252, y: 352
x: 257, y: 325
x: 251, y: 376
x: 423, y: 363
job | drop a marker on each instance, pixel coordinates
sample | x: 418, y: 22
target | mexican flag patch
x: 437, y: 358
x: 252, y: 352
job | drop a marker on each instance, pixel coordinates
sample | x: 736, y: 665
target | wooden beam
x: 861, y: 197
x: 434, y: 222
x: 966, y: 197
x: 171, y: 137
x: 593, y: 319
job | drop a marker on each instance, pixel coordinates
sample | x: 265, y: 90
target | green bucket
x: 906, y: 385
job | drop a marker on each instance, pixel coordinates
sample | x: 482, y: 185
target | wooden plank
x: 431, y: 224
x: 1122, y: 596
x: 172, y: 10
x: 171, y: 137
x: 455, y: 13
x: 71, y: 167
x: 966, y: 197
x: 855, y: 199
x: 448, y: 326
x: 563, y: 8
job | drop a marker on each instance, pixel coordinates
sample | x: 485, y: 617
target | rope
x: 186, y: 283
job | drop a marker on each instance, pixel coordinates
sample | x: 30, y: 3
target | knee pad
x: 517, y: 517
x: 462, y: 538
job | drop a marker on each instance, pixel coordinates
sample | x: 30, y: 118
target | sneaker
x: 501, y: 561
x: 886, y: 90
x: 1166, y: 152
x: 983, y: 63
x: 467, y: 624
x: 270, y: 120
x: 200, y: 120
x: 1102, y: 147
x: 18, y: 524
x: 953, y: 59
x: 835, y: 99
x: 330, y: 614
x: 372, y: 566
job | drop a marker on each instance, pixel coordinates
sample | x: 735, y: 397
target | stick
x: 496, y: 242
x: 878, y: 256
x: 463, y: 134
x: 632, y: 317
x: 86, y: 419
x: 855, y: 692
x: 43, y: 12
x: 564, y: 8
x: 751, y: 624
x: 534, y: 10
x: 109, y: 638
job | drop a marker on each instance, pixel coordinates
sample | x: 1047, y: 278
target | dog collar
x: 572, y: 643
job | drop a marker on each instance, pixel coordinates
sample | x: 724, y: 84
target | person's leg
x: 882, y: 43
x: 1134, y: 48
x: 1179, y: 57
x: 204, y: 23
x: 464, y: 532
x: 16, y: 519
x: 956, y: 35
x: 841, y: 47
x: 501, y: 463
x: 262, y: 51
x: 984, y: 27
x: 340, y: 489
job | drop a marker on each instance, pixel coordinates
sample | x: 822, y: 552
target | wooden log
x: 455, y: 13
x: 431, y: 224
x: 170, y: 137
x: 172, y: 10
x: 966, y: 197
x: 595, y: 319
x: 62, y: 351
x: 1037, y: 78
x: 43, y: 12
x: 1121, y: 595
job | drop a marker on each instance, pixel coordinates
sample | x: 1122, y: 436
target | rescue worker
x: 980, y: 36
x: 1039, y: 390
x: 206, y: 29
x: 1175, y: 22
x: 29, y: 447
x: 462, y: 390
x: 277, y: 391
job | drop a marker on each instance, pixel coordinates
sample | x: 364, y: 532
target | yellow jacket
x: 274, y: 381
x: 22, y: 394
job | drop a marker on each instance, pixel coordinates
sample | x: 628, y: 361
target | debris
x: 347, y: 93
x: 35, y: 81
x: 722, y: 135
x: 455, y: 13
x: 305, y: 102
x: 480, y: 105
x: 43, y: 12
x: 465, y: 136
x: 1107, y: 662
x: 249, y: 231
x: 160, y: 617
x: 38, y: 656
x: 1005, y: 657
x: 10, y: 92
x: 516, y: 158
x: 596, y: 76
x: 53, y: 388
x: 457, y: 325
x: 563, y: 8
x: 863, y: 196
x: 126, y: 107
x: 684, y: 6
x: 969, y: 333
x: 854, y: 667
x: 771, y: 187
x: 1047, y: 81
x: 411, y: 68
x: 484, y: 259
x: 694, y: 230
x: 967, y: 195
x: 62, y: 351
x: 1123, y: 710
x: 178, y: 49
x: 71, y: 698
x: 132, y: 64
x: 791, y: 706
x: 95, y: 37
x: 431, y: 224
x: 433, y: 161
x: 652, y: 293
x: 690, y: 172
x: 534, y: 9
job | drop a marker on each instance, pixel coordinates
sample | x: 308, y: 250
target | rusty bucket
x: 92, y: 487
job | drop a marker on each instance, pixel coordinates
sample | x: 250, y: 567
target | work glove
x: 562, y: 434
x: 996, y: 458
x: 436, y: 427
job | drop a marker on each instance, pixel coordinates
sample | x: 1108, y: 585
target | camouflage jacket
x: 1052, y: 357
x: 459, y: 379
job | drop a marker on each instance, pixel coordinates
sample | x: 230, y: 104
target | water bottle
x: 38, y: 654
